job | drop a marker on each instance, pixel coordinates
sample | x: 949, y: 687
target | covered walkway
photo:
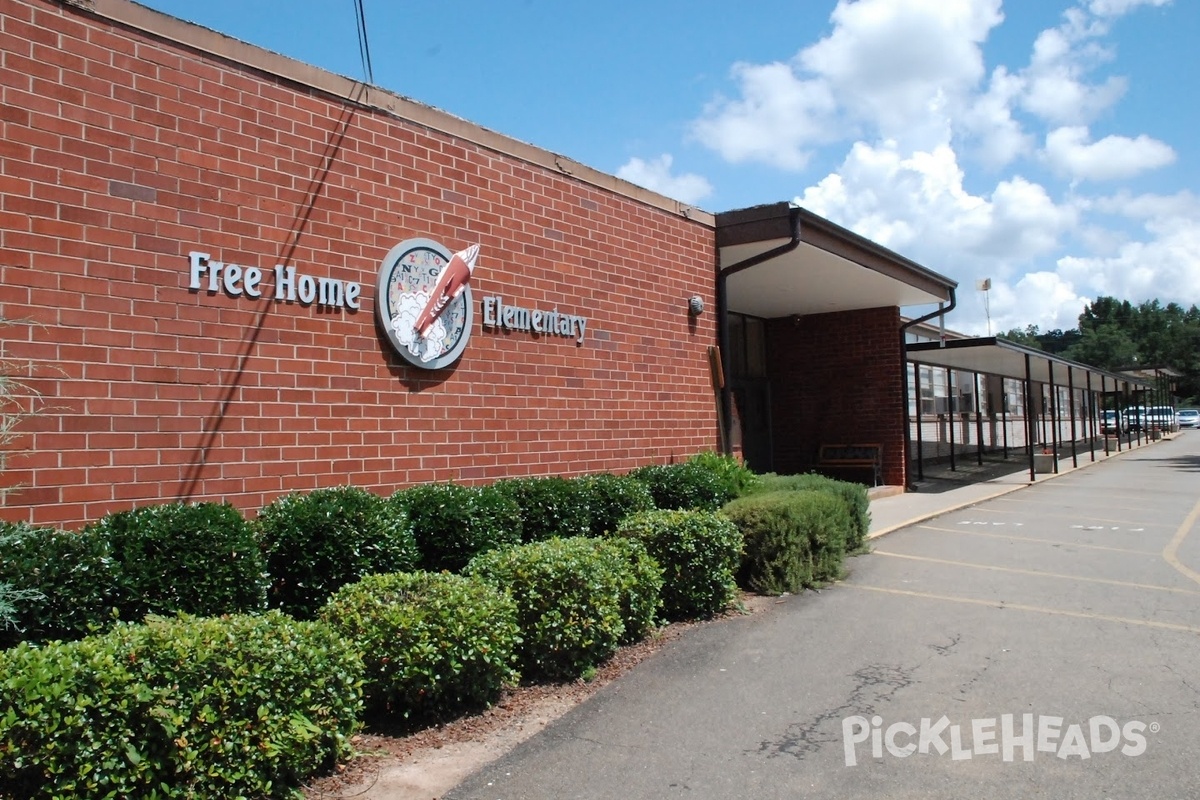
x: 1054, y: 410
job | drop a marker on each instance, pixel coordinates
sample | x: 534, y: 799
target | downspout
x: 904, y: 369
x: 723, y: 322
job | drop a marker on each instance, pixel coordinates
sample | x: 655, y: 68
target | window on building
x: 747, y: 347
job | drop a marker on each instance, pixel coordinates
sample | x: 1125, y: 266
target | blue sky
x: 1050, y: 146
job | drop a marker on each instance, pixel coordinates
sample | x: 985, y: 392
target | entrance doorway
x: 751, y: 389
x: 753, y: 402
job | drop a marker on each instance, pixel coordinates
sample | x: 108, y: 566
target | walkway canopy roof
x: 1151, y: 374
x: 994, y: 356
x: 780, y: 260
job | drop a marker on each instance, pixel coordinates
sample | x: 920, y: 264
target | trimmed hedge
x: 453, y: 523
x: 434, y: 644
x: 793, y: 539
x: 734, y: 477
x: 684, y: 486
x: 641, y: 587
x: 62, y: 584
x: 853, y: 496
x: 612, y: 498
x: 699, y: 552
x: 315, y: 543
x: 550, y: 507
x: 569, y: 599
x: 200, y: 559
x: 233, y: 707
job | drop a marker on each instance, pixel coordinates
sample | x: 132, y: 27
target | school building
x: 238, y: 276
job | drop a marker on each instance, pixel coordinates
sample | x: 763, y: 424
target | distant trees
x: 1115, y: 334
x: 1055, y: 341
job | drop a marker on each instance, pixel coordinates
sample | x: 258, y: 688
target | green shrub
x: 699, y: 552
x: 684, y: 486
x: 200, y: 559
x: 454, y: 523
x: 315, y: 543
x: 61, y: 584
x: 568, y: 594
x: 612, y: 498
x: 233, y: 707
x: 793, y: 539
x: 853, y: 495
x: 735, y: 477
x: 641, y: 587
x: 550, y: 507
x: 434, y: 644
x: 777, y: 556
x: 78, y: 723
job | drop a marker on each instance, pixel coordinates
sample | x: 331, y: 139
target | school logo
x: 423, y: 301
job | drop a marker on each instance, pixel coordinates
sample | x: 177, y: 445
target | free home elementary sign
x: 423, y: 301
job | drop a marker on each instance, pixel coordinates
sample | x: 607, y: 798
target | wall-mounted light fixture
x: 696, y: 305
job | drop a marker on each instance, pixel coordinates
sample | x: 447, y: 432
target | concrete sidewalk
x: 943, y: 490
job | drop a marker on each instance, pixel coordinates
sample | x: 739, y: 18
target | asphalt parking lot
x: 1041, y: 643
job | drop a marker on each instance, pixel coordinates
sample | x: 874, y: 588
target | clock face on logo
x: 423, y: 302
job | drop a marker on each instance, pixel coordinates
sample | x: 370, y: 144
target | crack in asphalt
x: 875, y: 684
x: 944, y: 649
x: 975, y: 678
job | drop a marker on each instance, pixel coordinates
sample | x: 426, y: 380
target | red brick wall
x: 120, y: 153
x: 837, y: 379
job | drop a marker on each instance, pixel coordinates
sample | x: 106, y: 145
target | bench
x: 858, y: 459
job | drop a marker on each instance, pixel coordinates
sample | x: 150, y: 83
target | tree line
x: 1117, y: 335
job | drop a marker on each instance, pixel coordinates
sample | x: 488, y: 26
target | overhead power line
x: 364, y: 45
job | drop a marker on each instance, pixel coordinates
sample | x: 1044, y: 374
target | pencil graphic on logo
x: 450, y: 284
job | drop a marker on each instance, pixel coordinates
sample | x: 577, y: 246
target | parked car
x: 1161, y: 418
x: 1110, y: 423
x: 1187, y: 418
x: 1142, y: 418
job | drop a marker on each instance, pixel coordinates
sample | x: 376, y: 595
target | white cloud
x: 1163, y: 262
x: 1069, y: 152
x: 890, y: 62
x: 912, y: 71
x: 656, y: 176
x: 1044, y: 299
x: 1116, y: 8
x: 900, y: 68
x: 1024, y: 223
x: 918, y: 205
x: 989, y: 119
x: 1057, y: 95
x: 779, y: 117
x: 1056, y: 89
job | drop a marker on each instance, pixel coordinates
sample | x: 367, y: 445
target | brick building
x: 215, y: 248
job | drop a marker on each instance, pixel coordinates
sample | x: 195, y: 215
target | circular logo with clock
x: 423, y: 301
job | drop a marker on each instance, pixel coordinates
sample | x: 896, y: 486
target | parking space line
x: 1037, y: 573
x: 1072, y: 517
x: 1170, y: 626
x: 1041, y: 541
x: 1171, y: 551
x: 1137, y: 500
